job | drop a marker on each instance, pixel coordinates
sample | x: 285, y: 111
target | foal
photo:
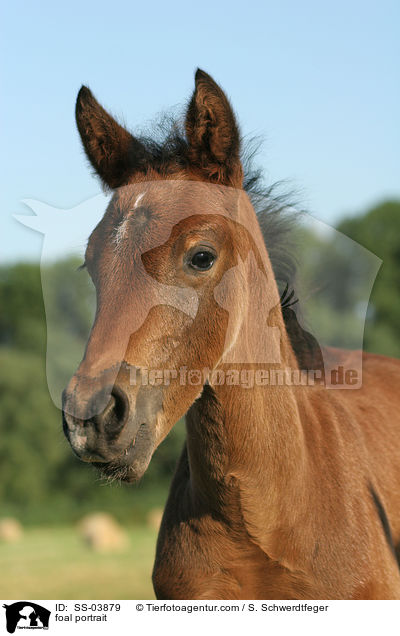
x: 282, y: 490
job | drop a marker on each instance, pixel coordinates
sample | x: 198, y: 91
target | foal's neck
x: 246, y: 448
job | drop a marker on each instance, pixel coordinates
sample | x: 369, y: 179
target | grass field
x: 54, y: 563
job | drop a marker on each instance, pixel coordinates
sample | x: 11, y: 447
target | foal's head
x: 171, y: 261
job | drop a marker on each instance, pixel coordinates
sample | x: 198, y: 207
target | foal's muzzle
x: 112, y: 430
x: 97, y: 438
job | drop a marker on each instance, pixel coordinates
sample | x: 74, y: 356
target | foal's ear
x: 212, y: 133
x: 114, y: 153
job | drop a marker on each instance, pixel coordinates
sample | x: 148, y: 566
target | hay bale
x: 154, y: 517
x: 102, y: 533
x: 10, y: 530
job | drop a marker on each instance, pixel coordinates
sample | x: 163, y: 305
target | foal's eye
x: 202, y: 260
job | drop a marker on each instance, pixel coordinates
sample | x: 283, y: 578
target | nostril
x: 121, y: 403
x: 115, y: 414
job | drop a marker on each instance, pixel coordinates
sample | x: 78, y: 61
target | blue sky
x: 318, y: 81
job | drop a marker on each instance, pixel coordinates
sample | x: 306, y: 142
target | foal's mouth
x: 127, y: 464
x: 130, y: 465
x: 118, y: 439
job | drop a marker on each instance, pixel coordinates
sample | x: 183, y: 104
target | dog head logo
x: 26, y: 615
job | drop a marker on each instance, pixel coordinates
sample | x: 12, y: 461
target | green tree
x: 379, y: 231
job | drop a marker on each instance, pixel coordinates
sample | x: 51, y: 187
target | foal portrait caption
x: 287, y: 487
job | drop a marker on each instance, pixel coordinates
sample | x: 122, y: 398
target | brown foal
x: 282, y: 490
